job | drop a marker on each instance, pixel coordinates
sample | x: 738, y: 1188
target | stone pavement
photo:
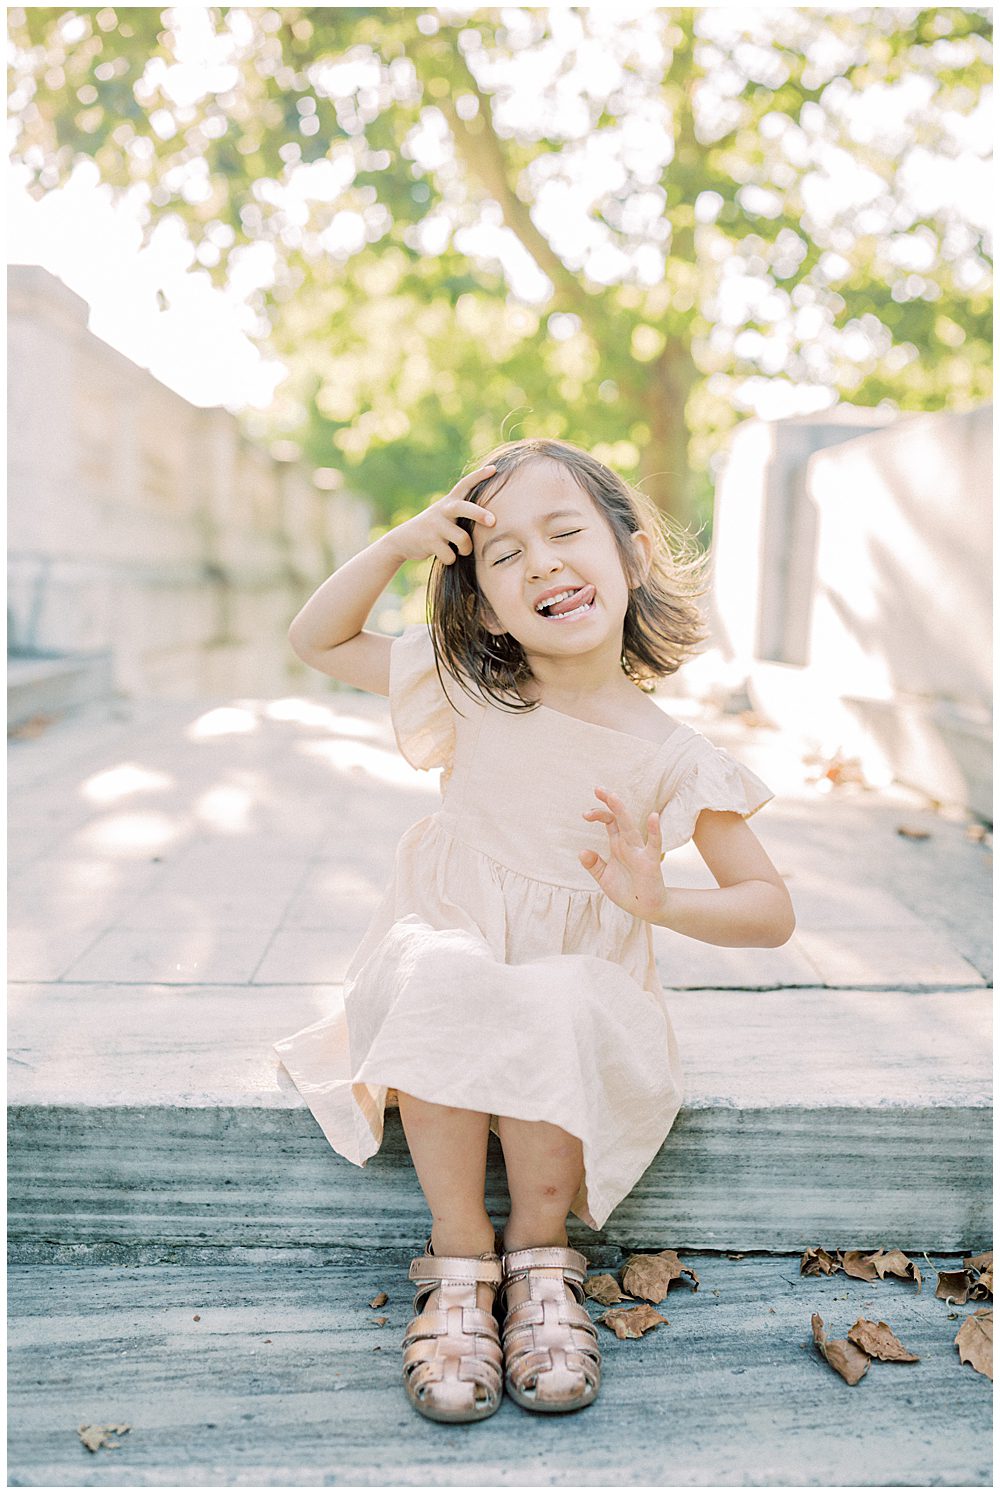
x: 246, y: 843
x: 281, y: 1376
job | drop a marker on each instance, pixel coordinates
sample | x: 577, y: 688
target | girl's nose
x: 543, y: 565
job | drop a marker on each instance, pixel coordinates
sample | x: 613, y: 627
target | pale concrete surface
x: 286, y: 1380
x: 189, y: 883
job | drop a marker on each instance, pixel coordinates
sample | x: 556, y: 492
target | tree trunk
x: 665, y: 468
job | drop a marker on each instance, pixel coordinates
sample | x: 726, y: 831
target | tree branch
x: 483, y: 155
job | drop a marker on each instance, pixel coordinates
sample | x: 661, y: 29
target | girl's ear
x: 488, y: 618
x: 642, y: 548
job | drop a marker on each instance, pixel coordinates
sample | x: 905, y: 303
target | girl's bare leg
x: 544, y: 1173
x: 448, y: 1148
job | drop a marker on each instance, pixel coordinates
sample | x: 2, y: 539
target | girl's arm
x: 328, y: 633
x: 750, y: 907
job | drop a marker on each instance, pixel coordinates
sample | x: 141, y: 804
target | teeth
x: 551, y: 601
x: 573, y: 612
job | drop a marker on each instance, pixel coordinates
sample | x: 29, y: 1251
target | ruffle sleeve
x: 422, y: 717
x: 714, y: 781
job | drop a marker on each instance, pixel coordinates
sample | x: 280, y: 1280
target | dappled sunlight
x: 145, y: 831
x: 127, y: 778
x: 379, y: 763
x: 223, y: 721
x: 303, y: 712
x: 226, y: 808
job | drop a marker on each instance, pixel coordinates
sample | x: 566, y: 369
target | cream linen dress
x: 495, y: 975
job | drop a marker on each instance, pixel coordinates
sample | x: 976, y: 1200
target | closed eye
x: 565, y: 535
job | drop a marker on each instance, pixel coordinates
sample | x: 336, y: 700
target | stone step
x: 278, y: 1376
x: 155, y: 1118
x: 50, y: 685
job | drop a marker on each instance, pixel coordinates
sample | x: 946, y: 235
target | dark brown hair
x: 662, y: 622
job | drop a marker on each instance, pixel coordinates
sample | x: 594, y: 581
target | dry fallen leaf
x: 858, y: 1263
x: 895, y: 1263
x: 94, y: 1437
x: 879, y: 1342
x: 975, y: 1341
x: 380, y: 1322
x: 196, y: 1318
x: 913, y: 832
x: 816, y: 1261
x: 954, y: 1285
x: 604, y: 1289
x: 983, y: 1286
x: 632, y: 1322
x: 33, y: 727
x: 379, y: 1300
x: 846, y: 1358
x: 650, y: 1276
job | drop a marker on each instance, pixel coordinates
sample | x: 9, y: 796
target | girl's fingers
x: 593, y: 863
x: 618, y: 809
x: 461, y: 539
x: 472, y: 479
x: 464, y: 509
x: 654, y: 841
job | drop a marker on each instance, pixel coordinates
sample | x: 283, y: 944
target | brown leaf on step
x: 895, y: 1263
x: 857, y: 1263
x: 840, y: 769
x: 379, y: 1300
x: 196, y: 1318
x: 879, y: 1342
x: 632, y: 1322
x: 846, y: 1358
x: 94, y: 1437
x: 983, y: 1286
x: 982, y: 1290
x: 380, y: 1322
x: 975, y: 1341
x: 604, y: 1289
x: 650, y: 1276
x: 913, y: 832
x: 33, y: 727
x: 953, y: 1284
x: 818, y: 1262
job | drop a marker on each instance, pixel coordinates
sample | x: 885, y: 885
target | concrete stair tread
x: 287, y: 1381
x: 93, y: 1045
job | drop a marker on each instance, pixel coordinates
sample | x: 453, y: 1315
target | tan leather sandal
x: 550, y: 1347
x: 452, y: 1363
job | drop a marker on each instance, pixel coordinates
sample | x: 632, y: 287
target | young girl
x: 507, y: 981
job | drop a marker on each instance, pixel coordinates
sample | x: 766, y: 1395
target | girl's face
x: 551, y: 538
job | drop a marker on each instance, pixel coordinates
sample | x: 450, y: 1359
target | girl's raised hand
x: 631, y: 875
x: 435, y: 531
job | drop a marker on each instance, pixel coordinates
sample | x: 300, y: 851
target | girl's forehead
x: 534, y: 489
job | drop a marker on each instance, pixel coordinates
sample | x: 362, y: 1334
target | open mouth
x: 575, y: 601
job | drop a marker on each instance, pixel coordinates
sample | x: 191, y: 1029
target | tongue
x: 579, y: 598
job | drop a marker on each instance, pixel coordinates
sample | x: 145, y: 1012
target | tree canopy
x: 460, y: 225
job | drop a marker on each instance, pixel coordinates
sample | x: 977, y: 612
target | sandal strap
x: 456, y: 1268
x: 516, y: 1261
x: 437, y: 1320
x: 528, y: 1315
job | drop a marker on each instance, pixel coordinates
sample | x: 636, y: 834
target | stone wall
x: 852, y: 590
x: 145, y: 526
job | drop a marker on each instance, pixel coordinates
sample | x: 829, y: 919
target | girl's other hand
x: 631, y: 875
x: 436, y: 531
